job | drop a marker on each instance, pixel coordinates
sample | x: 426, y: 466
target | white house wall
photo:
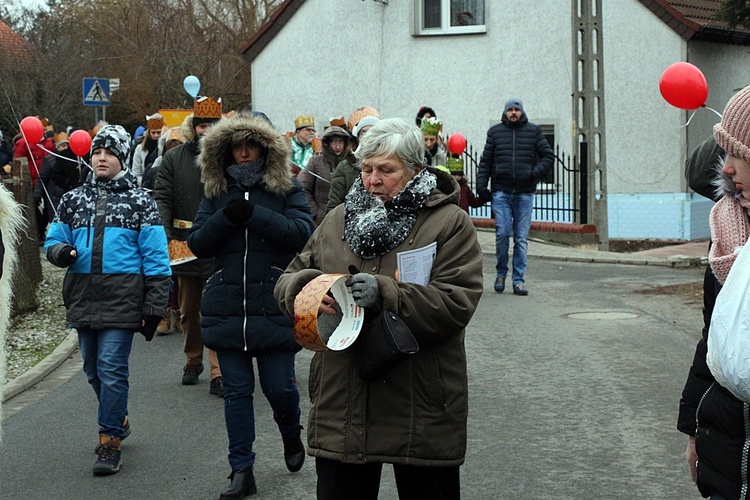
x: 334, y: 57
x: 645, y: 137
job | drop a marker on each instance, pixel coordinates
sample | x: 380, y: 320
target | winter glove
x: 149, y: 326
x: 64, y: 256
x: 485, y: 194
x: 239, y: 211
x: 364, y: 289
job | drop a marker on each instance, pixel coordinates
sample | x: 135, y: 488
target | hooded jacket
x: 34, y: 154
x: 516, y: 157
x: 343, y: 178
x: 719, y: 421
x: 57, y: 176
x: 316, y: 178
x: 143, y: 158
x: 238, y: 309
x: 417, y: 414
x: 178, y: 191
x: 122, y: 271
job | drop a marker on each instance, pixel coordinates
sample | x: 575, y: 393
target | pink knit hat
x: 733, y: 133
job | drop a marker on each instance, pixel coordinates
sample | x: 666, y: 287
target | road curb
x: 46, y: 366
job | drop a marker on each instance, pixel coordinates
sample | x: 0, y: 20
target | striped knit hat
x: 733, y: 133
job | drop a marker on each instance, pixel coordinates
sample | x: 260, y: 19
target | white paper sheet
x: 415, y: 266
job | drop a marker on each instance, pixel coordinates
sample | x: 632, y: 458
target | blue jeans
x: 512, y: 218
x: 276, y: 375
x: 105, y: 361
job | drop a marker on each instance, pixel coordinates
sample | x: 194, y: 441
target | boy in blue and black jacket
x: 109, y: 234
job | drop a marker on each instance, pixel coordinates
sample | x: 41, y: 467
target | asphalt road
x: 573, y: 392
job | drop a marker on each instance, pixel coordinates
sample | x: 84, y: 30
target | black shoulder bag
x: 382, y: 344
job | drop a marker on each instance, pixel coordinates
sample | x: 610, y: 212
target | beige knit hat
x: 733, y: 133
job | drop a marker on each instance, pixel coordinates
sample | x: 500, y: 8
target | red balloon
x: 32, y: 129
x: 683, y: 86
x: 457, y: 143
x: 80, y: 142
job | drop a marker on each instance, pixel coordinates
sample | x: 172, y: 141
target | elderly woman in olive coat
x: 415, y: 417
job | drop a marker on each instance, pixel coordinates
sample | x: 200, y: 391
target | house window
x: 549, y: 133
x: 449, y: 17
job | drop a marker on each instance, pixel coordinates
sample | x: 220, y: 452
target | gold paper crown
x: 431, y: 126
x: 206, y: 107
x: 455, y: 165
x: 355, y: 117
x: 61, y: 137
x: 338, y: 121
x: 155, y: 121
x: 303, y: 121
x: 174, y: 134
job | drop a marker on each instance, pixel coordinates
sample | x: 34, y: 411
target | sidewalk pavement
x: 691, y: 254
x: 683, y: 255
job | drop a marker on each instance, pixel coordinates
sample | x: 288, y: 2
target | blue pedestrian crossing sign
x: 96, y: 92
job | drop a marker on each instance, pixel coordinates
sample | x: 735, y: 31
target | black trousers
x: 340, y: 481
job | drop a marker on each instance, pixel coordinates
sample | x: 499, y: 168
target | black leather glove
x: 149, y: 326
x: 239, y: 211
x: 485, y: 194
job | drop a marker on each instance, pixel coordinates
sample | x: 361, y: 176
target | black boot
x: 294, y: 453
x: 242, y: 485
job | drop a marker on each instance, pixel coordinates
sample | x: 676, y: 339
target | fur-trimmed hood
x: 186, y: 128
x: 722, y: 183
x: 215, y: 149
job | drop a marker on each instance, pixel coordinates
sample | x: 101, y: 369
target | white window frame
x: 445, y: 21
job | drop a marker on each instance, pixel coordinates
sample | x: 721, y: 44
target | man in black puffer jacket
x: 516, y: 157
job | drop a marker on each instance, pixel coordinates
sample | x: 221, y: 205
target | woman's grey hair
x: 393, y: 137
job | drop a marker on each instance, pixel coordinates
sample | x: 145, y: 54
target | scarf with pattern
x: 374, y: 228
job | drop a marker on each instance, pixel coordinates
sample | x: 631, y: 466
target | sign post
x: 96, y: 93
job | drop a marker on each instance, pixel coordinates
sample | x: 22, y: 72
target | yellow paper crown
x: 206, y: 107
x: 431, y: 126
x: 303, y: 121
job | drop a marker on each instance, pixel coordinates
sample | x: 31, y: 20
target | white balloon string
x: 690, y: 119
x: 717, y: 113
x: 53, y: 153
x: 695, y: 111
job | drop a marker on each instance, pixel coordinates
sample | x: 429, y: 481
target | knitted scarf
x: 374, y: 228
x: 730, y: 229
x: 248, y: 174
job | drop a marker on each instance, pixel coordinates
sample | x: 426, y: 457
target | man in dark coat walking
x: 516, y: 157
x: 178, y: 192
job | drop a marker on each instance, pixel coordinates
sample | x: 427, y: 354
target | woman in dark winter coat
x: 716, y: 422
x: 253, y: 219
